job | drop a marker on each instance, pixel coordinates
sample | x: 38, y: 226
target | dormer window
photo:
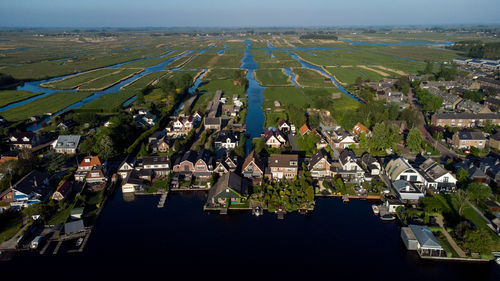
x: 87, y: 160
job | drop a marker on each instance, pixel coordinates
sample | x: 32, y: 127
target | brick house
x: 283, y: 166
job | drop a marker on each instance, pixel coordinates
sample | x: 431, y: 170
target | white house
x: 406, y: 190
x: 437, y: 177
x: 400, y: 169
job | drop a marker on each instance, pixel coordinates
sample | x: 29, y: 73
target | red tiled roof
x: 93, y: 161
x: 304, y: 129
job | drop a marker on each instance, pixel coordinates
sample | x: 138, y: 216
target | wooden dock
x: 161, y: 204
x: 345, y: 198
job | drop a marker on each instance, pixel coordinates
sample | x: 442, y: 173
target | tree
x: 106, y: 148
x: 478, y: 241
x: 359, y: 81
x: 414, y: 139
x: 478, y: 191
x: 462, y: 199
x: 403, y: 84
x: 139, y: 100
x: 429, y: 67
x: 462, y: 177
x: 411, y: 116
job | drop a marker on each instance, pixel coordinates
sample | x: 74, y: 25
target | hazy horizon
x: 257, y: 13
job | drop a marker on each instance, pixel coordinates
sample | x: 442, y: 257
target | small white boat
x: 375, y: 209
x: 257, y: 211
x: 79, y: 242
x: 387, y: 217
x: 497, y: 260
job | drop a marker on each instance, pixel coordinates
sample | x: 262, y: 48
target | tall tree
x: 478, y: 191
x: 414, y: 139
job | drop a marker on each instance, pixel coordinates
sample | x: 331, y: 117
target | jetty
x: 163, y: 197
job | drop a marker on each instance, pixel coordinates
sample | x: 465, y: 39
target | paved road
x: 445, y: 152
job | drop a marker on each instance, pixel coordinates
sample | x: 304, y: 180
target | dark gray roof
x: 212, y: 120
x: 190, y: 156
x: 228, y: 180
x: 222, y: 136
x: 73, y: 227
x: 345, y: 155
x: 475, y: 135
x: 155, y: 160
x: 321, y: 154
x: 33, y: 182
x: 465, y: 115
x: 425, y: 237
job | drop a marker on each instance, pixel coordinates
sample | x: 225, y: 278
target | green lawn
x: 109, y: 80
x: 181, y: 61
x: 202, y: 102
x: 273, y: 118
x: 8, y: 97
x: 96, y: 57
x: 10, y: 225
x: 151, y: 62
x: 348, y: 75
x: 61, y: 216
x: 110, y: 101
x: 345, y: 75
x: 273, y: 77
x: 226, y: 86
x: 354, y: 56
x: 278, y: 59
x: 76, y: 80
x: 221, y: 74
x: 49, y: 104
x: 210, y: 59
x: 144, y: 81
x: 310, y: 78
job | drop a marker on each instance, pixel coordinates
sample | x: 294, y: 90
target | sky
x: 250, y: 13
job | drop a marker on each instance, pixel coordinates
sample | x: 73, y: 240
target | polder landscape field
x: 112, y: 67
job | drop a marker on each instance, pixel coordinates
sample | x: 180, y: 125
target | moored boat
x: 387, y: 217
x: 375, y: 209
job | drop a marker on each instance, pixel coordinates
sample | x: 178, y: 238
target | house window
x: 445, y: 179
x: 402, y: 177
x: 413, y: 178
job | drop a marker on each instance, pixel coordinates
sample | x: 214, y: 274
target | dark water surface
x: 338, y: 241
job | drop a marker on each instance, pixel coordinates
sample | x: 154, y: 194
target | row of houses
x: 485, y: 64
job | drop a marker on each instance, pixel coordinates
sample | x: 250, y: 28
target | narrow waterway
x: 315, y: 67
x: 292, y: 75
x: 255, y: 116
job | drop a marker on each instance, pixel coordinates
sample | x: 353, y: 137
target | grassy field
x: 354, y: 56
x: 8, y: 97
x: 151, y: 62
x: 273, y: 59
x: 110, y: 101
x: 74, y: 81
x: 202, y: 101
x: 221, y: 74
x: 210, y: 59
x: 109, y: 80
x: 49, y: 104
x: 272, y: 119
x: 309, y: 78
x: 226, y: 86
x: 273, y: 77
x: 92, y: 57
x: 348, y: 75
x: 144, y: 81
x: 307, y: 98
x: 182, y: 61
